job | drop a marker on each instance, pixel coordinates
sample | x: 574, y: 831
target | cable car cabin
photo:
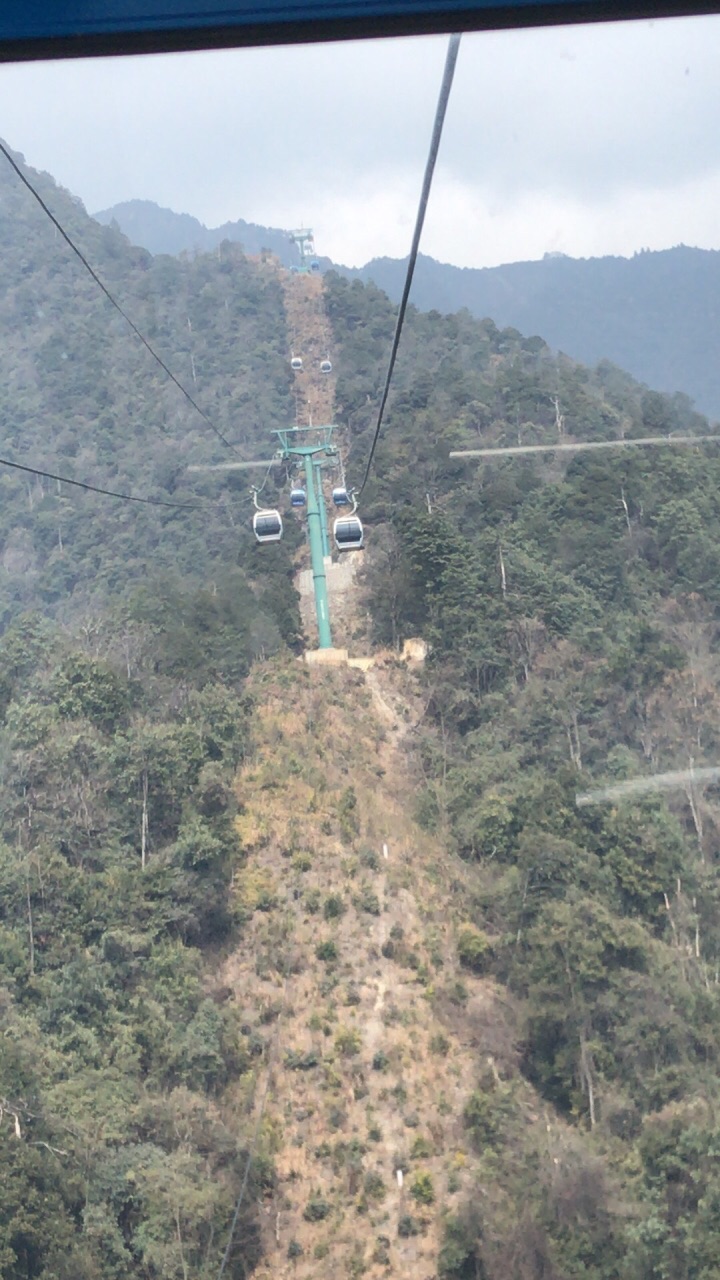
x: 297, y: 498
x: 296, y: 364
x: 325, y: 366
x: 314, y: 266
x: 348, y: 533
x: 340, y: 496
x: 267, y: 526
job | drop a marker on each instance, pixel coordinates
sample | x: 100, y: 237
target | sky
x: 582, y: 140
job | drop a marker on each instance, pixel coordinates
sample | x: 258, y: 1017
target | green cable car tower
x: 311, y: 444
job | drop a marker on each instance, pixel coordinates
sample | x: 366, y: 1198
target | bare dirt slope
x: 372, y: 1036
x: 309, y: 336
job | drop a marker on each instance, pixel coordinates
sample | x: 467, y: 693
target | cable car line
x: 111, y: 298
x: 107, y: 493
x: 446, y: 86
x: 578, y: 446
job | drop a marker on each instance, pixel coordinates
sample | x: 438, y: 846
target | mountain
x: 401, y: 970
x: 161, y: 231
x: 656, y: 314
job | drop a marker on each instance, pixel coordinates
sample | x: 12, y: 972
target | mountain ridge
x: 654, y: 314
x: 161, y: 230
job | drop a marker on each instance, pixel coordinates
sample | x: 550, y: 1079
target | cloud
x: 586, y: 139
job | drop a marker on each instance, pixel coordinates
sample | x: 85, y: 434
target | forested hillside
x: 572, y: 614
x: 362, y: 929
x: 655, y: 314
x: 163, y: 231
x: 128, y: 632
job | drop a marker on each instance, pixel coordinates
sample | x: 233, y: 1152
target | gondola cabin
x: 267, y: 526
x: 296, y: 364
x: 325, y: 366
x: 314, y: 266
x: 340, y: 496
x: 348, y: 532
x: 298, y: 498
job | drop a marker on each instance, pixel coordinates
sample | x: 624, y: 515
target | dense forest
x: 571, y: 616
x: 127, y: 634
x: 653, y: 313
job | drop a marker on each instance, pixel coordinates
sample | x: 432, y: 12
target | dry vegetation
x: 368, y: 1029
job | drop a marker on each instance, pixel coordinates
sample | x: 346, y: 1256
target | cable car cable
x: 107, y: 493
x: 118, y: 307
x: 448, y: 74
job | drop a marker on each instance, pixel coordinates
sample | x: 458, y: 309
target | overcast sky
x: 585, y: 140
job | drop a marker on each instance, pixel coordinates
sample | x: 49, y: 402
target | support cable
x: 107, y: 493
x: 111, y: 298
x: 448, y: 74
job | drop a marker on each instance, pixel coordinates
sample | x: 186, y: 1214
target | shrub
x: 369, y: 859
x: 317, y: 1208
x: 369, y: 902
x: 375, y: 1188
x: 347, y: 812
x: 440, y: 1045
x: 421, y: 1149
x: 295, y: 1250
x: 381, y: 1253
x: 407, y: 1226
x: 381, y: 1061
x: 485, y: 1115
x: 457, y: 993
x: 474, y: 948
x: 326, y: 951
x: 270, y: 1013
x: 296, y: 1061
x: 321, y: 1250
x: 302, y: 862
x: 374, y: 1134
x: 312, y: 902
x: 333, y: 907
x: 348, y: 1042
x: 421, y: 1189
x: 459, y: 1255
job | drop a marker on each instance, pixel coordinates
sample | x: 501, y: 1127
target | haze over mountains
x: 163, y: 231
x: 656, y: 314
